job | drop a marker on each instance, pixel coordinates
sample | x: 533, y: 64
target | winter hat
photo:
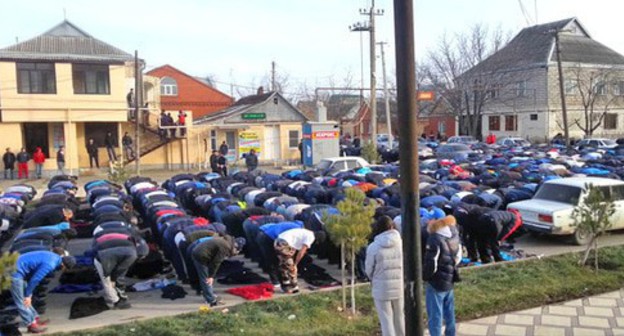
x: 69, y: 262
x: 239, y: 243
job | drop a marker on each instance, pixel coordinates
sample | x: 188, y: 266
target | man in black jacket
x: 467, y: 216
x: 92, y: 149
x: 22, y: 163
x: 494, y: 227
x: 110, y: 144
x: 224, y: 149
x: 251, y: 160
x: 443, y: 254
x: 222, y: 164
x: 208, y: 256
x: 126, y: 141
x: 9, y: 163
x: 214, y: 159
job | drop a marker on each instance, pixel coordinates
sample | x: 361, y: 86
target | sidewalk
x: 596, y: 315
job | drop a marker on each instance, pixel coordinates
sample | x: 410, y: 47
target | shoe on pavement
x: 122, y: 304
x: 35, y: 328
x: 41, y: 322
x: 217, y: 302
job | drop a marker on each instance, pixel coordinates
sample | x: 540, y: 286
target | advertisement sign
x: 248, y: 140
x: 323, y: 135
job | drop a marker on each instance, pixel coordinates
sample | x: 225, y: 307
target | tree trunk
x: 587, y: 250
x: 344, y: 276
x: 352, y: 282
x: 596, y: 255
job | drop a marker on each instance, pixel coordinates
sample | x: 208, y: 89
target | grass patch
x: 484, y: 291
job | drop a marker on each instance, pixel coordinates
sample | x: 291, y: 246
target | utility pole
x: 138, y: 101
x: 273, y: 76
x: 564, y: 109
x: 371, y: 13
x: 386, y: 96
x: 408, y: 156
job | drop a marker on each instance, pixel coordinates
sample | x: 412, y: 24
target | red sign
x: 322, y: 135
x: 425, y: 95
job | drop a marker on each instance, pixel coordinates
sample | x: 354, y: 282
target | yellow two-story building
x: 62, y: 88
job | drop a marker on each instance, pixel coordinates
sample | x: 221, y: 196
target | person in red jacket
x: 182, y: 122
x: 39, y: 159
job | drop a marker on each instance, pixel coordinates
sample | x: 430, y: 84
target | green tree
x: 7, y: 267
x: 592, y: 218
x: 118, y: 172
x: 370, y: 153
x: 350, y: 230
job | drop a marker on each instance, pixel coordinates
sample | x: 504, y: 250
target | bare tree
x: 451, y: 71
x: 595, y: 90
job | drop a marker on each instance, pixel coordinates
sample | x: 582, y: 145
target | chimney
x: 260, y: 90
x: 321, y: 112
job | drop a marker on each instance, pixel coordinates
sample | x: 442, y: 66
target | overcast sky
x: 235, y: 41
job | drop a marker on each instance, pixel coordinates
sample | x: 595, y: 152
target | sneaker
x: 217, y: 302
x: 295, y: 289
x: 41, y: 322
x: 35, y: 328
x: 122, y: 304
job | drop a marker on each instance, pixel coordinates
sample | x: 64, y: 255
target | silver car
x: 454, y: 151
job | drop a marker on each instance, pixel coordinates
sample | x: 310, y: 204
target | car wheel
x: 581, y: 237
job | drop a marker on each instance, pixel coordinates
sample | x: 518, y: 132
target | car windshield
x: 609, y: 142
x: 559, y: 193
x: 458, y: 148
x: 521, y: 142
x: 324, y: 164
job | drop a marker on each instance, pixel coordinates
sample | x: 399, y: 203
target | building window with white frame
x: 601, y: 88
x: 618, y: 88
x: 293, y: 139
x: 521, y: 88
x: 570, y: 87
x: 610, y: 121
x: 213, y: 140
x: 168, y: 87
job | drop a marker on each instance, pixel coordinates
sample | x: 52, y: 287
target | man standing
x: 60, y: 160
x: 443, y: 254
x: 130, y: 102
x: 182, y: 122
x: 300, y: 146
x: 251, y: 160
x: 208, y: 256
x: 214, y: 162
x: 22, y: 163
x: 31, y: 268
x: 39, y: 159
x: 224, y: 149
x: 290, y: 247
x: 170, y: 122
x: 162, y: 122
x: 92, y: 149
x: 9, y: 163
x: 110, y: 144
x: 126, y: 141
x: 222, y: 164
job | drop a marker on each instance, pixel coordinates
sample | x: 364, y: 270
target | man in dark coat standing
x: 222, y: 164
x: 92, y: 149
x: 22, y: 163
x: 251, y: 160
x: 224, y: 149
x: 9, y: 163
x: 214, y: 162
x: 110, y: 144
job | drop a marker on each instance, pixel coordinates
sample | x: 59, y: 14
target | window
x: 293, y: 139
x: 618, y: 88
x: 521, y: 88
x: 601, y: 88
x: 570, y: 86
x: 533, y: 117
x: 213, y: 140
x: 90, y: 79
x: 510, y: 123
x: 36, y: 78
x: 352, y: 164
x: 558, y: 193
x: 610, y: 121
x: 493, y: 93
x: 168, y: 87
x: 494, y: 123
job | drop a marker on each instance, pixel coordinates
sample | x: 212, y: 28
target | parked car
x: 453, y: 151
x: 550, y: 210
x: 383, y: 141
x: 513, y: 142
x: 598, y: 143
x: 330, y: 166
x: 463, y: 139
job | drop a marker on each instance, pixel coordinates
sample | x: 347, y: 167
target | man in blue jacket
x: 31, y: 268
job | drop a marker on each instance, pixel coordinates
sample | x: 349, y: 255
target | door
x: 230, y: 140
x: 272, y: 143
x: 36, y: 135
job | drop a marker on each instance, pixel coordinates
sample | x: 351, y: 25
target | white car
x: 330, y: 166
x: 550, y: 210
x: 597, y: 143
x: 513, y: 142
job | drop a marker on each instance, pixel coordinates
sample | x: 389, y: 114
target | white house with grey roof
x: 527, y: 102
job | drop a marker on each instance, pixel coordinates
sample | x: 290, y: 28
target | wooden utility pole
x: 371, y: 13
x: 138, y: 100
x: 408, y: 156
x: 564, y: 110
x: 386, y: 96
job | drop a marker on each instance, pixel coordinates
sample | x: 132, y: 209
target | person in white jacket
x: 384, y: 267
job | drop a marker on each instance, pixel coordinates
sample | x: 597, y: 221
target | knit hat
x: 239, y: 243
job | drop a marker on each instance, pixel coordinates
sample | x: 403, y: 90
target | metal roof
x: 65, y: 42
x: 533, y: 47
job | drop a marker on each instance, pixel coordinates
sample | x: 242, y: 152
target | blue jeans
x: 38, y: 167
x: 202, y: 274
x: 440, y: 305
x: 27, y: 314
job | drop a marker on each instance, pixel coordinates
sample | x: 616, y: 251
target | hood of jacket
x: 442, y: 226
x: 38, y: 150
x: 388, y: 239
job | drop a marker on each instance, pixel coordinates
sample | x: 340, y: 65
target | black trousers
x: 94, y: 158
